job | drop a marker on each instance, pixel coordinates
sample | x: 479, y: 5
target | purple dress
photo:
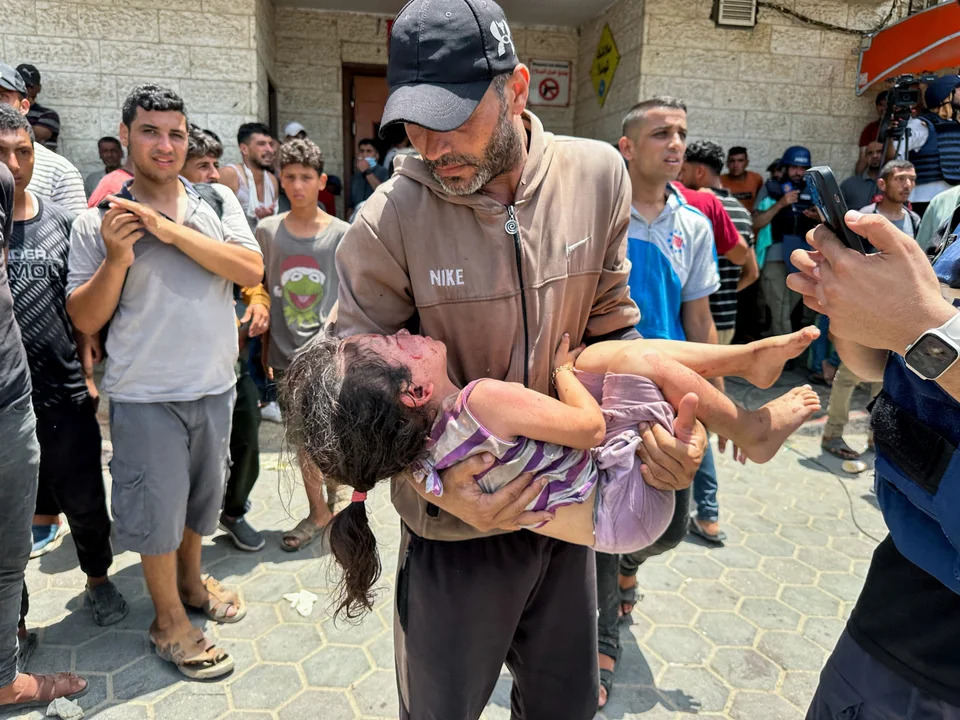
x: 629, y: 513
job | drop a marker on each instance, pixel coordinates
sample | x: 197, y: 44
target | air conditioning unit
x: 735, y: 13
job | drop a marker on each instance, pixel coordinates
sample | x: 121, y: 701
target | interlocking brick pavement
x: 734, y: 632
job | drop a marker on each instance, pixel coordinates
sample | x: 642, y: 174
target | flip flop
x: 47, y: 692
x: 304, y: 533
x: 697, y: 529
x: 194, y: 655
x: 219, y: 601
x: 838, y: 448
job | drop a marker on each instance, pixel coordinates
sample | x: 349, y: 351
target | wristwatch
x: 366, y: 172
x: 936, y: 350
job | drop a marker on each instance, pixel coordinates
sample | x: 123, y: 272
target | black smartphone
x: 829, y: 202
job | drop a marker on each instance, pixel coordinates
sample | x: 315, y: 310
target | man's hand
x: 884, y: 300
x: 671, y: 461
x: 812, y: 214
x: 788, y: 198
x: 152, y: 221
x: 259, y: 318
x: 120, y: 230
x: 263, y: 211
x: 362, y: 165
x: 503, y: 510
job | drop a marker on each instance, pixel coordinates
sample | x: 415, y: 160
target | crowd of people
x: 580, y: 415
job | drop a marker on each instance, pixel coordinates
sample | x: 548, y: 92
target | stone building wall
x: 92, y: 53
x: 780, y: 83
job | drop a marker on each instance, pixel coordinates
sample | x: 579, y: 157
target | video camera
x: 902, y: 98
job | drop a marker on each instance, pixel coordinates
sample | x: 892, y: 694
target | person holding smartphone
x: 368, y: 173
x: 895, y: 318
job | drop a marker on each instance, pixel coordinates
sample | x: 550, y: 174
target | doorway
x: 364, y: 97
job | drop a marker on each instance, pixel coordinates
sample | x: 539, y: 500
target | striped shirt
x: 723, y: 303
x: 56, y: 180
x: 457, y: 434
x: 41, y: 116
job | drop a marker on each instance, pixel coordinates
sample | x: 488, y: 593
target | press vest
x: 939, y: 157
x: 917, y: 430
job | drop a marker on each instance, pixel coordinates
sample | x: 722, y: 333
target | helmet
x: 796, y: 155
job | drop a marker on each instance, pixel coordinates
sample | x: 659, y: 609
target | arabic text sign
x: 605, y: 62
x: 549, y: 82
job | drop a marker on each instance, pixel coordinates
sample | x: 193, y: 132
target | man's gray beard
x: 502, y: 153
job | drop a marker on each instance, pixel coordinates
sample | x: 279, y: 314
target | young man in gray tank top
x: 251, y: 180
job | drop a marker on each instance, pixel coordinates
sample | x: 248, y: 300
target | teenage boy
x: 158, y: 263
x: 54, y: 178
x: 255, y: 186
x: 368, y: 173
x: 19, y: 461
x: 203, y: 167
x: 299, y: 249
x: 71, y: 479
x: 896, y: 182
x: 743, y: 184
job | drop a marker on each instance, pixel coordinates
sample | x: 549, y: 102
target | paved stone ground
x: 737, y: 632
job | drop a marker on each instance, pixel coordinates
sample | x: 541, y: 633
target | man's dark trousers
x: 244, y: 445
x: 465, y: 608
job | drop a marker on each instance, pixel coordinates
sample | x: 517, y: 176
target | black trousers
x: 855, y: 686
x: 465, y: 608
x: 244, y: 445
x: 609, y: 566
x: 71, y: 480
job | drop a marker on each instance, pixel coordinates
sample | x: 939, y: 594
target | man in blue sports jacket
x: 895, y: 318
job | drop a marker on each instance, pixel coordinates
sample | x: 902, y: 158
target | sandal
x: 194, y: 655
x: 107, y: 603
x: 304, y: 533
x: 697, y: 529
x: 49, y: 688
x: 606, y: 679
x: 628, y: 596
x: 838, y: 448
x: 219, y: 601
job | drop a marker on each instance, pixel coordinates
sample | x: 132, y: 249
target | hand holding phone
x: 829, y: 202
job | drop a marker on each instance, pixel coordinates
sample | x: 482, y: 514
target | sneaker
x: 243, y: 534
x: 45, y: 538
x: 271, y: 412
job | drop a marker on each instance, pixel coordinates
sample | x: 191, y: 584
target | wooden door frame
x: 349, y: 71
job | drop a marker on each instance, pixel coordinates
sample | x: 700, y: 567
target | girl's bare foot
x: 777, y: 420
x: 771, y: 354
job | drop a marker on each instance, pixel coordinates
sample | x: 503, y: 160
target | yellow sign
x: 605, y: 62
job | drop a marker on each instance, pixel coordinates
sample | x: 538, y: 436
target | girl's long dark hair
x: 342, y: 407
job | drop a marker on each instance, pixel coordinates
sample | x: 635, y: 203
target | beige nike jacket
x: 498, y: 285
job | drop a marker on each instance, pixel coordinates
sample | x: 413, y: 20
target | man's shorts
x: 169, y: 470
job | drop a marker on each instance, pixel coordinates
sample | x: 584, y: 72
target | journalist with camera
x: 931, y: 140
x: 895, y: 318
x: 790, y: 217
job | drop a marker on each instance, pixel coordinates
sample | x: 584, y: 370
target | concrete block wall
x: 626, y: 20
x: 91, y: 53
x: 780, y: 83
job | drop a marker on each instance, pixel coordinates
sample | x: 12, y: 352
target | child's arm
x: 509, y: 409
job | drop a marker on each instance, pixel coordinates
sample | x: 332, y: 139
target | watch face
x: 931, y: 356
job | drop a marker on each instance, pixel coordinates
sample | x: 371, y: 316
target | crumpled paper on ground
x: 66, y: 709
x: 301, y: 601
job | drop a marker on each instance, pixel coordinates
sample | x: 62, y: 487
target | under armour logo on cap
x: 501, y: 31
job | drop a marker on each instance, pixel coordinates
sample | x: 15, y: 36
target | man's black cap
x: 443, y: 55
x: 30, y: 74
x: 10, y: 79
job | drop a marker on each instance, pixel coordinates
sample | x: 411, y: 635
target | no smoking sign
x: 549, y: 83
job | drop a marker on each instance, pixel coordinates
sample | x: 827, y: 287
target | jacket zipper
x: 512, y: 228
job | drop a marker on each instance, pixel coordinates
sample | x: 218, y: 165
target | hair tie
x: 358, y: 496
